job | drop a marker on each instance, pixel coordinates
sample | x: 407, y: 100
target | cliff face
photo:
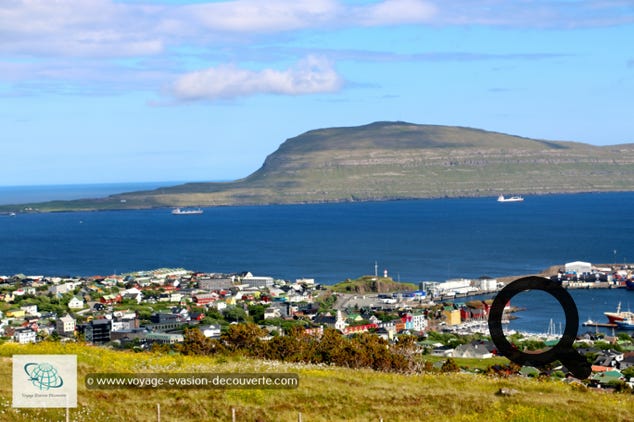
x: 397, y: 160
x: 390, y: 160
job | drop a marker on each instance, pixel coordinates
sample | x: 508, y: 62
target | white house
x: 219, y: 305
x: 60, y: 289
x: 75, y: 303
x: 272, y: 312
x: 419, y: 322
x: 134, y: 294
x: 30, y: 310
x: 24, y: 335
x: 65, y: 325
x: 211, y: 331
x: 478, y: 351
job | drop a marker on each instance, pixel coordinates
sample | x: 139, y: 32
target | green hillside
x: 324, y: 393
x: 371, y: 284
x: 397, y: 160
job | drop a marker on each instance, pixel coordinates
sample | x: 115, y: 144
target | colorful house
x: 452, y: 316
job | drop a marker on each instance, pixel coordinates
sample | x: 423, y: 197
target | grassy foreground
x: 324, y: 393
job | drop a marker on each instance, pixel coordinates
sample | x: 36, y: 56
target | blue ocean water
x: 412, y: 240
x: 539, y: 310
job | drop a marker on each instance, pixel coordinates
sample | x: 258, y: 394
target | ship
x: 626, y: 324
x: 501, y: 198
x: 618, y: 316
x: 186, y: 211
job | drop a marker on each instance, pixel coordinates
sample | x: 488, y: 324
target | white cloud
x: 309, y: 76
x: 108, y: 28
x: 138, y: 44
x: 105, y: 28
x: 77, y: 28
x: 536, y: 13
x: 392, y: 12
x: 284, y: 15
x: 263, y: 16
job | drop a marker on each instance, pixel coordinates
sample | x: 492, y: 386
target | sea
x: 411, y: 240
x: 39, y: 193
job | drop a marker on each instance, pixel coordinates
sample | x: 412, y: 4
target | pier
x: 599, y: 324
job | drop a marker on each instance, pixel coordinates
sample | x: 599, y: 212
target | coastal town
x: 146, y: 310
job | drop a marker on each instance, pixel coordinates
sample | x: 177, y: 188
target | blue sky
x: 97, y: 91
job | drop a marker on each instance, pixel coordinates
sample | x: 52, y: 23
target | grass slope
x: 371, y: 284
x: 324, y: 394
x: 396, y: 160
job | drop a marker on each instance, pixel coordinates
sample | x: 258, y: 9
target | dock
x: 599, y: 324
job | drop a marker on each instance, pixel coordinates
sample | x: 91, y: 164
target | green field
x: 324, y: 393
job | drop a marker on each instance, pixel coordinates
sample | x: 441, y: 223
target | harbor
x: 599, y: 324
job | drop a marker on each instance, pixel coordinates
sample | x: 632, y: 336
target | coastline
x: 130, y: 201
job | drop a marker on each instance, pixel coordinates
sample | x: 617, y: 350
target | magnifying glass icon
x: 563, y: 350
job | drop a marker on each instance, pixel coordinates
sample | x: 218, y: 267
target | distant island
x: 393, y: 160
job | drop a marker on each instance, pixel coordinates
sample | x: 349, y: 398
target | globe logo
x: 43, y: 375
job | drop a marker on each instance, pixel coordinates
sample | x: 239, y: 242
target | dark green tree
x: 235, y: 314
x: 257, y: 313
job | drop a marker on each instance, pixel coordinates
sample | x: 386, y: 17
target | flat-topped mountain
x: 398, y: 160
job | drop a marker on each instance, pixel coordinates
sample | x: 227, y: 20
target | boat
x: 619, y: 315
x: 501, y: 198
x: 629, y: 284
x: 186, y: 211
x: 626, y: 324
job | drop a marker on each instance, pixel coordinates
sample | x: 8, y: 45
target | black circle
x: 563, y: 350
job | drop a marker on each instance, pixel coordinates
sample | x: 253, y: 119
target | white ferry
x: 187, y: 211
x: 501, y: 198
